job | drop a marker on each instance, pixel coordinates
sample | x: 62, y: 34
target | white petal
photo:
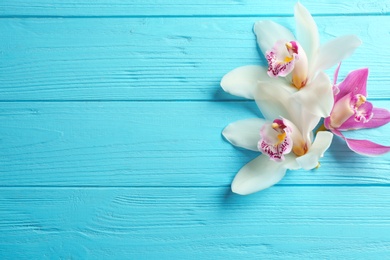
x: 317, y: 96
x: 307, y: 32
x: 257, y: 175
x: 244, y: 133
x: 273, y: 98
x: 316, y: 151
x: 268, y: 33
x: 277, y: 99
x: 335, y: 51
x: 309, y: 122
x: 242, y: 81
x: 290, y: 162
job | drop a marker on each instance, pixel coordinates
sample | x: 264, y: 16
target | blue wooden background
x: 110, y: 135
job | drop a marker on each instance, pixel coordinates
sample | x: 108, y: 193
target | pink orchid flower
x: 352, y: 111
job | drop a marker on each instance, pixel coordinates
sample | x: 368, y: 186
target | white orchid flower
x: 284, y: 137
x: 274, y: 97
x: 298, y: 62
x: 263, y: 172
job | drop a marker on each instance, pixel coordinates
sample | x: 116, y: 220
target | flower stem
x: 321, y: 128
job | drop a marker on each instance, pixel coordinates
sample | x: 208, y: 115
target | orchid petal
x: 244, y: 133
x: 259, y: 174
x: 336, y: 74
x: 308, y: 122
x: 327, y: 123
x: 316, y: 151
x: 242, y: 81
x: 290, y: 162
x: 317, y: 96
x: 272, y: 98
x: 342, y: 111
x: 275, y: 99
x: 380, y: 117
x: 364, y: 147
x: 307, y: 32
x: 335, y: 51
x: 269, y: 32
x: 336, y: 89
x: 296, y: 134
x: 355, y: 82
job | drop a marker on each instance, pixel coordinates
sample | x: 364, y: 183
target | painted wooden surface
x: 111, y: 117
x: 155, y: 58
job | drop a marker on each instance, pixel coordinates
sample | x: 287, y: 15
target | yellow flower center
x: 298, y: 81
x: 282, y: 134
x: 281, y: 138
x: 361, y: 100
x: 300, y: 150
x: 288, y: 59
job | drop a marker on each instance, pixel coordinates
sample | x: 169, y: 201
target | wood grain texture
x: 138, y: 223
x: 152, y: 8
x: 150, y: 144
x: 156, y: 59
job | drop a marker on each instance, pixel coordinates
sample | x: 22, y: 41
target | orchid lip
x: 362, y: 109
x: 281, y: 59
x: 349, y: 106
x: 275, y: 140
x: 288, y: 58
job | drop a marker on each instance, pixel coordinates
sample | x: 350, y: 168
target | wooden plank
x: 156, y: 58
x: 182, y: 7
x: 155, y: 223
x: 156, y: 144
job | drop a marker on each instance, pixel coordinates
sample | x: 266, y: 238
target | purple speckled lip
x: 278, y: 132
x: 282, y: 67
